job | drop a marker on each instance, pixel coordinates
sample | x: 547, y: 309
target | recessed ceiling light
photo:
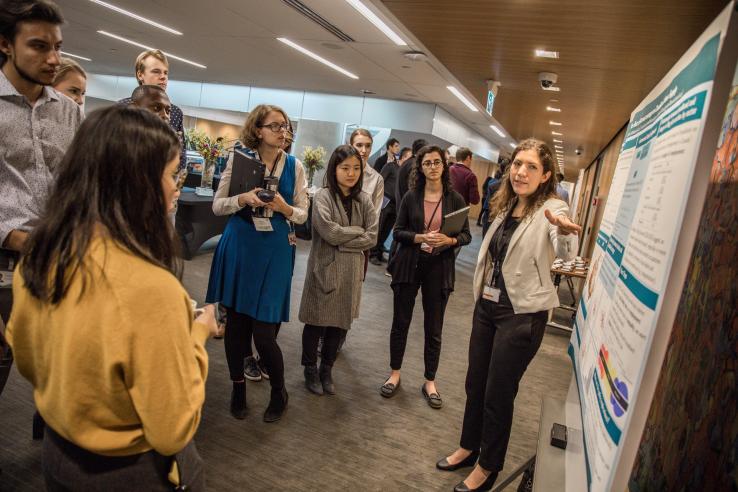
x: 512, y: 145
x: 75, y: 56
x: 134, y: 43
x: 461, y: 97
x: 316, y: 57
x: 137, y: 17
x: 497, y: 130
x: 554, y: 123
x: 552, y: 88
x: 557, y: 140
x: 378, y: 23
x: 555, y: 110
x: 547, y: 54
x: 553, y: 100
x: 557, y: 133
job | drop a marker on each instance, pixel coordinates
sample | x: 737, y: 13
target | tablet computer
x: 246, y: 173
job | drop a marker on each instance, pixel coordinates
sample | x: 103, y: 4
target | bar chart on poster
x: 632, y: 259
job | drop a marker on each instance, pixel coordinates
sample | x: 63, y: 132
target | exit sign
x: 490, y: 101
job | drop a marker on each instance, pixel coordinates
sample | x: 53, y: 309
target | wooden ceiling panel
x: 611, y: 55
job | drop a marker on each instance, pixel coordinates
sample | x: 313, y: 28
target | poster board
x: 633, y: 268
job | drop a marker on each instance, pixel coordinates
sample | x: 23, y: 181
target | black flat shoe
x: 486, y: 485
x: 388, y: 390
x: 433, y: 399
x: 277, y: 406
x: 470, y: 460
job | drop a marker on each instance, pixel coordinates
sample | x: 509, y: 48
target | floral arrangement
x: 312, y: 159
x: 208, y: 147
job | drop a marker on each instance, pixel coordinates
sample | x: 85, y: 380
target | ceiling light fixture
x: 134, y: 43
x: 512, y: 145
x: 316, y: 57
x: 555, y: 110
x: 378, y: 23
x: 497, y: 130
x: 137, y: 17
x: 461, y: 97
x: 557, y: 140
x: 554, y: 123
x: 547, y: 54
x: 552, y: 88
x: 557, y: 134
x: 75, y: 56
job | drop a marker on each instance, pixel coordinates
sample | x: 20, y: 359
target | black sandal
x: 388, y: 390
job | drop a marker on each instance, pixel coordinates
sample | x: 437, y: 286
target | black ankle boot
x: 277, y: 405
x: 326, y: 379
x: 238, y: 400
x: 312, y: 383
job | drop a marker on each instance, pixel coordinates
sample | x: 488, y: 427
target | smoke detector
x: 416, y: 56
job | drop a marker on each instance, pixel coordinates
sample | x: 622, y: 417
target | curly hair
x: 250, y: 130
x: 417, y: 178
x: 505, y: 197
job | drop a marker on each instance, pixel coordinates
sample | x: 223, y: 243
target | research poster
x: 630, y: 264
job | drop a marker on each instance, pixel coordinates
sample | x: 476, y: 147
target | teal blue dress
x: 251, y: 271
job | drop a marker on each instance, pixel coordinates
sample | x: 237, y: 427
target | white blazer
x: 527, y: 264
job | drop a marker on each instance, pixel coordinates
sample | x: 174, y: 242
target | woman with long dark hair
x: 514, y: 293
x: 344, y: 225
x: 101, y: 325
x: 424, y: 260
x: 251, y: 274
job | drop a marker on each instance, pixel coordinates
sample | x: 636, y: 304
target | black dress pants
x: 386, y: 223
x: 239, y: 329
x: 331, y: 338
x: 429, y: 279
x: 501, y: 346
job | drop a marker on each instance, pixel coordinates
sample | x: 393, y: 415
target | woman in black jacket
x: 424, y: 260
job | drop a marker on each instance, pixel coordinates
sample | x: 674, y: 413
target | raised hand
x: 564, y: 223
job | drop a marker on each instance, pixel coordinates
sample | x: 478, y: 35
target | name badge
x: 491, y: 293
x: 262, y: 224
x: 426, y: 247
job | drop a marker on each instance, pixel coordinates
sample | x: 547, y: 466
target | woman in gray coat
x: 344, y: 225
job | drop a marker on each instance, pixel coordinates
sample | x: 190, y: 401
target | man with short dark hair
x: 403, y: 175
x: 153, y: 98
x: 560, y: 190
x: 152, y: 68
x: 463, y: 179
x: 388, y: 216
x: 404, y: 154
x: 392, y: 148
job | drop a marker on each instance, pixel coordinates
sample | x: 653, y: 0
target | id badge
x: 426, y: 247
x: 263, y: 224
x: 491, y: 293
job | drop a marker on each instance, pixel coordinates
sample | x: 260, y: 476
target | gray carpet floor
x: 355, y: 440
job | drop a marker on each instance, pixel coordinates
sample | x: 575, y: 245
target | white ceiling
x: 236, y: 39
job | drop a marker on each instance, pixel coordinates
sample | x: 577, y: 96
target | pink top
x: 434, y: 219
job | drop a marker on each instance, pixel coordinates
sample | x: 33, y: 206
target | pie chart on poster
x: 622, y: 389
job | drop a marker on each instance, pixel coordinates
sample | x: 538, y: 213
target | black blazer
x: 410, y: 221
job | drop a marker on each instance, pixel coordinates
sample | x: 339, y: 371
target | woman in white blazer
x: 514, y: 293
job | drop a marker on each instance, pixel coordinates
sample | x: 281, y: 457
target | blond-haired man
x: 152, y: 68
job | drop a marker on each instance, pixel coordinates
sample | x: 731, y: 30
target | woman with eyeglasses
x: 424, y: 261
x: 251, y: 274
x: 514, y: 294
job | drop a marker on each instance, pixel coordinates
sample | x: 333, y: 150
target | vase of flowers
x: 210, y: 149
x: 312, y: 159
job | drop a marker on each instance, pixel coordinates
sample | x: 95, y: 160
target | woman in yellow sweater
x: 101, y: 326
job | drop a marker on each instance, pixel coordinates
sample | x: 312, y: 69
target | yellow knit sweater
x: 120, y: 370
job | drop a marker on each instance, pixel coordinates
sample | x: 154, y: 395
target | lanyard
x: 430, y: 221
x: 499, y: 235
x: 274, y: 166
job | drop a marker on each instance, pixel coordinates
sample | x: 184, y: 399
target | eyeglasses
x: 436, y: 163
x: 277, y: 127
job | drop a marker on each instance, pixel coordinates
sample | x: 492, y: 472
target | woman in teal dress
x: 251, y: 274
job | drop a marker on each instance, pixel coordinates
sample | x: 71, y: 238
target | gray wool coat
x: 335, y: 269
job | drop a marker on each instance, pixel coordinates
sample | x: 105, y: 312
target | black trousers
x: 501, y: 346
x: 386, y: 223
x: 223, y: 317
x: 331, y: 338
x: 239, y: 330
x: 428, y: 278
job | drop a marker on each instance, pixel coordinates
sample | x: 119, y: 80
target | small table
x: 568, y: 275
x: 196, y: 223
